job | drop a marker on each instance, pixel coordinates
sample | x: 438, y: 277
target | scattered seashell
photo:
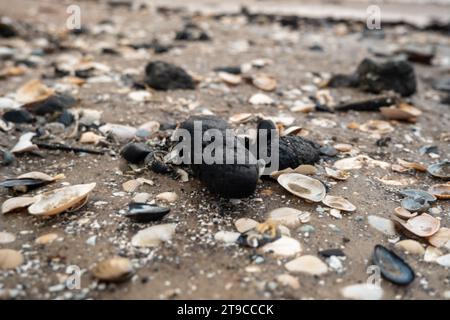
x: 10, y: 259
x: 140, y: 95
x: 440, y: 191
x: 142, y: 212
x: 24, y: 144
x: 6, y: 237
x: 416, y: 205
x: 227, y: 236
x: 392, y: 267
x: 339, y: 203
x: 29, y: 181
x: 170, y: 197
x: 264, y: 82
x: 376, y: 127
x: 260, y: 98
x: 288, y: 280
x: 304, y: 169
x: 91, y: 138
x: 412, y: 165
x: 307, y: 264
x: 323, y: 123
x: 305, y: 107
x: 241, y: 117
x: 46, y: 238
x: 431, y: 254
x: 403, y: 213
x: 17, y: 204
x: 337, y: 174
x: 343, y: 147
x: 422, y: 226
x: 142, y: 197
x: 444, y: 260
x: 303, y: 186
x: 154, y: 235
x: 262, y: 234
x: 131, y: 185
x: 289, y: 217
x: 441, y: 238
x: 358, y: 162
x: 295, y: 131
x: 59, y: 200
x: 410, y: 246
x: 402, y: 112
x: 440, y: 170
x: 245, y: 224
x: 362, y: 291
x: 383, y: 225
x: 32, y: 91
x: 114, y: 269
x: 285, y: 246
x: 229, y: 78
x: 121, y: 132
x: 418, y: 195
x: 336, y: 213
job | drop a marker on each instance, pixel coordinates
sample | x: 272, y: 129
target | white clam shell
x: 339, y: 203
x: 60, y: 200
x: 17, y: 203
x: 307, y: 264
x: 303, y: 186
x: 362, y: 291
x: 154, y: 235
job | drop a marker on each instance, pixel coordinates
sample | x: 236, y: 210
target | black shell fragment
x: 53, y: 104
x: 23, y: 185
x: 143, y: 212
x: 392, y: 267
x: 165, y: 76
x: 135, y: 152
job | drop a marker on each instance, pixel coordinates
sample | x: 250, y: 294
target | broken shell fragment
x: 402, y: 112
x: 392, y: 267
x: 339, y: 203
x: 260, y: 98
x: 169, y: 197
x: 60, y: 200
x: 142, y: 212
x: 229, y: 78
x: 285, y: 246
x: 91, y: 138
x: 440, y: 170
x: 362, y: 291
x: 431, y: 254
x: 10, y: 259
x: 289, y: 217
x: 337, y: 174
x: 245, y: 224
x: 303, y: 186
x: 376, y: 126
x: 17, y: 204
x: 24, y: 144
x: 403, y: 213
x: 33, y: 90
x: 412, y: 165
x: 264, y: 82
x: 307, y: 264
x: 154, y: 235
x: 441, y: 238
x: 440, y: 191
x: 46, y: 238
x: 424, y: 225
x: 114, y: 269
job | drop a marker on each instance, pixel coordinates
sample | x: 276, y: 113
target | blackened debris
x: 165, y: 76
x: 135, y: 152
x: 18, y: 116
x: 192, y: 32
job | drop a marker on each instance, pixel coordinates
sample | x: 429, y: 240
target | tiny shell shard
x: 60, y: 200
x: 32, y: 91
x: 303, y: 186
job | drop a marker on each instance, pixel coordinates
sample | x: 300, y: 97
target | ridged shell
x: 10, y: 259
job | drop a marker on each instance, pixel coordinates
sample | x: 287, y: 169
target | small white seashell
x: 307, y: 264
x: 339, y: 203
x: 303, y: 186
x: 18, y: 203
x: 46, y: 238
x: 260, y: 98
x: 154, y: 235
x: 363, y: 291
x: 169, y: 197
x: 227, y: 236
x: 431, y: 254
x: 287, y: 216
x: 285, y: 246
x: 24, y: 144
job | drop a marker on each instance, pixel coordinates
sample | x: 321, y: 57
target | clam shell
x: 241, y: 117
x: 154, y: 235
x: 169, y: 197
x: 440, y: 238
x: 412, y: 165
x: 411, y: 246
x: 60, y: 200
x: 339, y: 203
x: 131, y: 185
x: 285, y: 246
x: 245, y: 224
x: 376, y: 126
x: 337, y: 174
x: 403, y: 213
x: 260, y: 98
x: 305, y: 169
x: 10, y: 259
x: 229, y: 78
x: 418, y: 205
x: 418, y: 194
x: 33, y: 90
x: 17, y: 204
x: 289, y: 217
x: 431, y: 254
x: 402, y: 112
x: 264, y: 82
x: 440, y: 170
x: 295, y: 131
x: 114, y: 269
x: 422, y: 226
x: 343, y: 147
x: 392, y: 267
x: 307, y: 264
x: 6, y: 237
x: 440, y: 191
x: 303, y: 186
x: 143, y: 212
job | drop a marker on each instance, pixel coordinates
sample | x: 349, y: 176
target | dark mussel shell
x: 23, y: 185
x: 418, y: 194
x: 440, y: 170
x: 135, y: 152
x: 392, y: 267
x: 54, y: 104
x: 415, y: 205
x: 18, y: 116
x: 165, y: 76
x: 144, y: 212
